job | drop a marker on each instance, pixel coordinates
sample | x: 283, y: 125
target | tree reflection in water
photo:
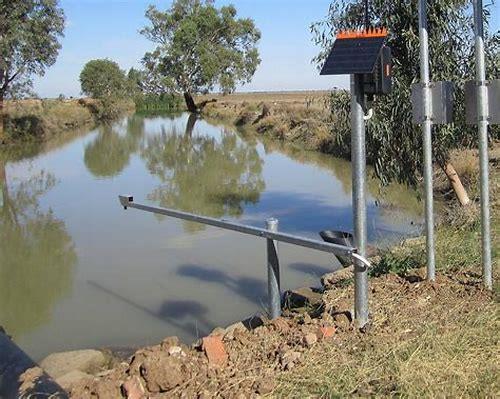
x: 37, y: 254
x: 203, y: 174
x: 110, y: 152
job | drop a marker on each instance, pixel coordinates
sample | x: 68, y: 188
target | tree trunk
x: 2, y: 120
x: 456, y: 184
x: 190, y: 125
x: 191, y: 106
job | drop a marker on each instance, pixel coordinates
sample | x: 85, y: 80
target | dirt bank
x: 427, y: 339
x: 28, y: 120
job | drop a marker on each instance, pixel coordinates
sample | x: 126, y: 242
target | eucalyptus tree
x: 393, y: 142
x: 200, y: 47
x: 29, y: 43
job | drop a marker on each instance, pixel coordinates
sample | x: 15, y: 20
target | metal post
x: 273, y: 271
x: 482, y: 123
x: 427, y: 139
x: 358, y: 198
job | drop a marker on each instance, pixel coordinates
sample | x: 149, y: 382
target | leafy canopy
x: 29, y: 42
x: 103, y: 79
x: 200, y: 46
x: 394, y: 143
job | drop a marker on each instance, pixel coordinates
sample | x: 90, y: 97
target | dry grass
x: 427, y: 340
x: 308, y: 99
x: 41, y: 119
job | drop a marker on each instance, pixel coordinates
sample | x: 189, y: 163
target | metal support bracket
x: 441, y: 102
x: 491, y: 110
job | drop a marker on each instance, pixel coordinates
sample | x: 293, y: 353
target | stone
x: 162, y: 372
x: 215, y: 351
x: 169, y: 342
x: 133, y: 388
x: 310, y: 339
x: 229, y: 331
x: 330, y: 280
x: 176, y: 351
x: 303, y: 297
x: 68, y: 380
x: 88, y: 361
x: 280, y: 324
x: 326, y: 332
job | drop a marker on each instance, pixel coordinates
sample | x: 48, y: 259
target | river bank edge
x: 397, y: 266
x: 36, y: 120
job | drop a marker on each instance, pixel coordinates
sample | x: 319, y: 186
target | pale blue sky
x: 109, y: 29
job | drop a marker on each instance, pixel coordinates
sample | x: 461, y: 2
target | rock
x: 215, y: 351
x: 343, y: 320
x: 280, y: 324
x: 330, y: 280
x: 218, y: 331
x: 162, y: 372
x: 176, y: 351
x: 303, y: 297
x: 68, y: 380
x: 310, y: 339
x: 133, y: 388
x: 169, y: 342
x: 326, y: 332
x: 229, y: 331
x: 88, y: 361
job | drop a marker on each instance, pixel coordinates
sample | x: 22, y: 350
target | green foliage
x: 29, y: 42
x: 397, y: 263
x: 103, y: 79
x: 199, y: 47
x: 393, y: 143
x: 157, y: 102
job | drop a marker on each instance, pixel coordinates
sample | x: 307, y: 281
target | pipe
x: 427, y: 139
x: 482, y: 123
x: 358, y: 156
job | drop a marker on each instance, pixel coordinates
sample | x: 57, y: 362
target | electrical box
x: 363, y: 53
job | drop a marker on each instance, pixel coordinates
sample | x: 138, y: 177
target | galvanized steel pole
x: 273, y: 272
x: 427, y: 139
x: 482, y: 123
x: 358, y: 151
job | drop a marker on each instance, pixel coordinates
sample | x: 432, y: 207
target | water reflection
x: 110, y: 152
x: 37, y: 254
x: 204, y: 174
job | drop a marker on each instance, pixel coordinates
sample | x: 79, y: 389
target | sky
x: 110, y: 29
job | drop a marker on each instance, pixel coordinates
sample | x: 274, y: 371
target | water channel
x: 77, y: 271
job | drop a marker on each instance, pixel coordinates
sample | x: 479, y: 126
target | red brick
x: 215, y: 351
x: 326, y: 332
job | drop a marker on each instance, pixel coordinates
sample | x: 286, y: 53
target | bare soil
x: 281, y: 357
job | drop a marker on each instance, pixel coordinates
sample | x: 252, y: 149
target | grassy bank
x: 442, y: 342
x: 43, y: 119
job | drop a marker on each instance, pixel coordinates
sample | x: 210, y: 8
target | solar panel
x: 353, y: 55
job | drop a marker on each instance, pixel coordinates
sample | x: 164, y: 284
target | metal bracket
x: 492, y: 107
x: 441, y: 99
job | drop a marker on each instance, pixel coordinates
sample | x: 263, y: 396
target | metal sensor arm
x: 127, y: 201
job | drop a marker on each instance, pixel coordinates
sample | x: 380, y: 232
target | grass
x: 428, y: 339
x: 42, y: 119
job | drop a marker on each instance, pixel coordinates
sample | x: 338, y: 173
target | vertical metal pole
x: 482, y: 112
x: 273, y: 272
x: 427, y: 139
x: 359, y: 198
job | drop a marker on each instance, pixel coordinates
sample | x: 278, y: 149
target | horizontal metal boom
x: 128, y: 202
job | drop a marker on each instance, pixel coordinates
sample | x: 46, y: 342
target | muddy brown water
x: 77, y: 271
